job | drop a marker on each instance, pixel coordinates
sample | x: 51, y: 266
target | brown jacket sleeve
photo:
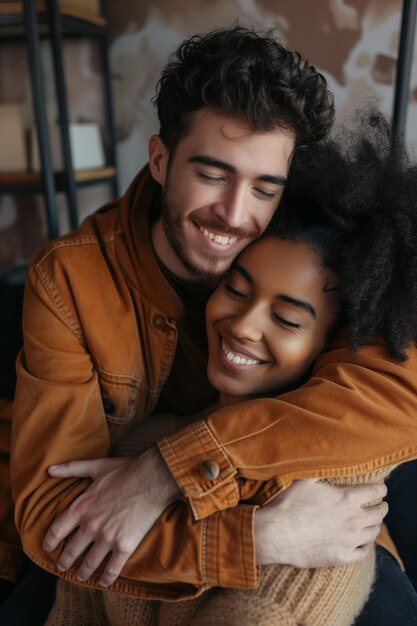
x: 355, y: 414
x: 58, y: 416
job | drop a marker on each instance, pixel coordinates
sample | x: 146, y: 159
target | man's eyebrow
x: 206, y: 159
x: 298, y: 303
x: 275, y: 180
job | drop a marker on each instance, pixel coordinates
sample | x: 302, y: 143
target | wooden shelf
x: 32, y: 181
x: 94, y: 174
x: 66, y: 10
x: 19, y: 179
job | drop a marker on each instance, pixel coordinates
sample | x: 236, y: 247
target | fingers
x: 375, y: 514
x: 85, y: 469
x: 113, y: 568
x: 364, y: 494
x: 366, y: 535
x: 78, y: 544
x: 64, y: 525
x: 93, y: 560
x: 359, y: 554
x: 104, y: 519
x: 77, y: 469
x: 370, y: 534
x: 94, y: 557
x: 364, y: 526
x: 369, y: 517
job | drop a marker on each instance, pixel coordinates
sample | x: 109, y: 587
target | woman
x: 266, y: 323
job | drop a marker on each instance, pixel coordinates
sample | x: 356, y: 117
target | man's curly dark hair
x: 246, y: 75
x: 361, y: 188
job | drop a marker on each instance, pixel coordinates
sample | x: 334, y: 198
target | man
x: 114, y: 332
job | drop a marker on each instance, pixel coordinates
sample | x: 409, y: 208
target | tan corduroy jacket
x: 99, y: 340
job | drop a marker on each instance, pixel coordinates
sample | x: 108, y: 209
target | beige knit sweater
x: 287, y: 596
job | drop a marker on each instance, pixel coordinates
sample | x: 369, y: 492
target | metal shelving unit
x: 33, y: 21
x: 405, y: 61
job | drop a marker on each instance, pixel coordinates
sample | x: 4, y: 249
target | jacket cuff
x: 229, y: 549
x: 202, y: 469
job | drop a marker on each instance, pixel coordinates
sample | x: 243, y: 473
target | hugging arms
x: 106, y: 334
x: 274, y: 457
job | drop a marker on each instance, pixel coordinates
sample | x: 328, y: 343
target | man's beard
x: 173, y: 232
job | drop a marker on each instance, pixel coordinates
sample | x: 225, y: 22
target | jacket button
x: 159, y: 322
x: 109, y: 406
x: 209, y: 469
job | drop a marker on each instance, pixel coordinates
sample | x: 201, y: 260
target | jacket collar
x: 135, y: 252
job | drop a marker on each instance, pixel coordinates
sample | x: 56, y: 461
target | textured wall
x: 354, y: 43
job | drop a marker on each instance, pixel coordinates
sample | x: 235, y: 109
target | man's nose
x: 233, y: 209
x: 247, y: 325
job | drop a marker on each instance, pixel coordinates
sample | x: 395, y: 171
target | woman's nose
x: 247, y: 325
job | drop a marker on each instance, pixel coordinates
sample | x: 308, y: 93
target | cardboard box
x: 13, y: 153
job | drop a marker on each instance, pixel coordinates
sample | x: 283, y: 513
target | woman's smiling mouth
x: 237, y: 358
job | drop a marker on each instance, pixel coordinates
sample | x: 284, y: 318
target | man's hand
x: 314, y: 524
x: 114, y: 514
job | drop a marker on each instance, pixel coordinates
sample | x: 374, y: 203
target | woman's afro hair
x: 363, y: 184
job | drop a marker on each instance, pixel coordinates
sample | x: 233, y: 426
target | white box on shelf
x: 13, y: 156
x: 86, y: 147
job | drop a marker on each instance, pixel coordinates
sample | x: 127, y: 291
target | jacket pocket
x: 120, y: 398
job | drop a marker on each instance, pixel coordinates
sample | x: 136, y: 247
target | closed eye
x: 209, y: 178
x: 234, y: 291
x: 285, y: 322
x: 268, y: 195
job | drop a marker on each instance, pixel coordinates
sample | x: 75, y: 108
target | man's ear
x: 158, y: 159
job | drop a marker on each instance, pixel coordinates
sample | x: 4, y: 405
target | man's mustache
x: 221, y: 228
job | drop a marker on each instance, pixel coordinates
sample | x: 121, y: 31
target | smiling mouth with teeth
x: 237, y: 358
x: 223, y: 240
